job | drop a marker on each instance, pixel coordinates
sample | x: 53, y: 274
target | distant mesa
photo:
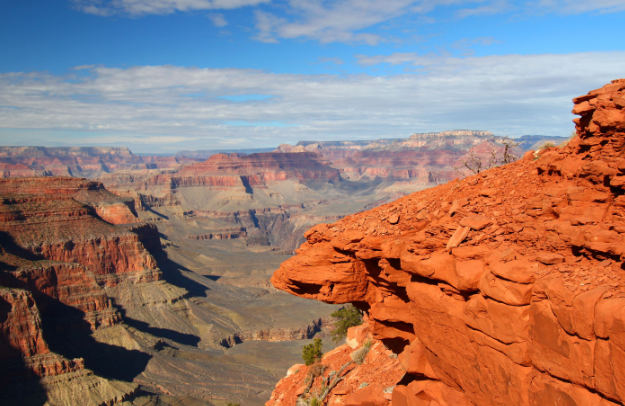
x: 205, y: 154
x: 87, y: 162
x: 455, y: 133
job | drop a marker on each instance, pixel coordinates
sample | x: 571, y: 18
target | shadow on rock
x: 71, y: 336
x: 174, y: 273
x: 180, y: 338
x: 8, y: 245
x: 18, y: 383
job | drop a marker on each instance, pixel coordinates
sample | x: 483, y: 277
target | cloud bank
x: 511, y: 94
x: 341, y: 20
x: 136, y: 8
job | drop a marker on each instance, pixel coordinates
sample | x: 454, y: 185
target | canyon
x: 93, y: 311
x: 145, y: 280
x: 273, y: 198
x: 502, y: 288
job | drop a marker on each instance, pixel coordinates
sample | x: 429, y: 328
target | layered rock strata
x: 60, y: 246
x: 504, y: 288
x: 226, y: 172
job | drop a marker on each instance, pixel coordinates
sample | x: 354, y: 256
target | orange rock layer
x: 370, y: 383
x: 504, y: 288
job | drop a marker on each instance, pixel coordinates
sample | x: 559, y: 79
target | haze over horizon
x: 169, y: 75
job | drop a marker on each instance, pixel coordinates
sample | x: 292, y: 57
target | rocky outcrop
x: 370, y: 380
x: 504, y: 288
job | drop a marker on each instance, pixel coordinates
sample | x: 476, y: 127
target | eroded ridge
x: 504, y: 288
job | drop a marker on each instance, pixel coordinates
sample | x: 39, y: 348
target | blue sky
x: 165, y: 75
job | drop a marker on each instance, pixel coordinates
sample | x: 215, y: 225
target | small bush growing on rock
x: 571, y: 136
x: 360, y: 354
x: 312, y: 352
x: 317, y: 369
x: 547, y: 144
x: 346, y: 317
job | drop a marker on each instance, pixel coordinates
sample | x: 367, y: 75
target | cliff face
x: 223, y: 171
x: 504, y: 288
x: 58, y: 252
x: 57, y: 219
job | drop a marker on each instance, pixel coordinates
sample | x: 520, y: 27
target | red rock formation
x: 224, y: 172
x: 370, y: 383
x: 21, y: 341
x: 56, y: 219
x: 70, y: 284
x: 504, y: 288
x: 109, y: 207
x: 61, y: 227
x: 56, y: 254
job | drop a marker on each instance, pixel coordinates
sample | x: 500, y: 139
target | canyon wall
x: 59, y: 248
x: 504, y: 288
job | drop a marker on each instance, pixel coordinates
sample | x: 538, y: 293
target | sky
x: 159, y: 76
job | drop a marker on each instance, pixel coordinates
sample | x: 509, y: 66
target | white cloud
x: 334, y: 21
x: 218, y: 20
x: 490, y: 8
x: 341, y: 20
x: 579, y: 6
x: 143, y: 7
x: 512, y: 94
x: 335, y: 61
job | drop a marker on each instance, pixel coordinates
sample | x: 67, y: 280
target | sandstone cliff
x: 504, y: 288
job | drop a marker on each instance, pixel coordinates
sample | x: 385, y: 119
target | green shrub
x: 346, y: 317
x: 312, y: 352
